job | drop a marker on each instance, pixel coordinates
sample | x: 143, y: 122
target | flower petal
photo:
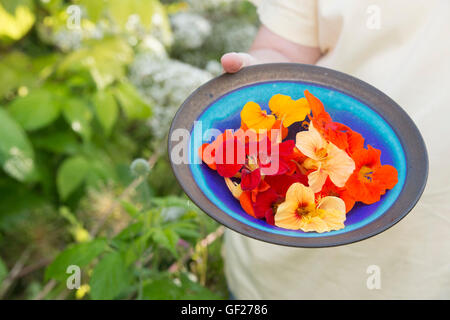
x: 286, y: 216
x: 316, y: 180
x: 308, y: 142
x: 250, y: 179
x: 289, y: 110
x: 338, y: 165
x: 331, y: 203
x: 255, y: 118
x: 300, y: 195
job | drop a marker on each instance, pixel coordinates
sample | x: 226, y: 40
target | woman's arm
x: 269, y: 47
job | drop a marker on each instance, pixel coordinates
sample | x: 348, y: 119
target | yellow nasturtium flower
x: 255, y: 118
x: 325, y: 158
x: 289, y: 110
x: 299, y: 211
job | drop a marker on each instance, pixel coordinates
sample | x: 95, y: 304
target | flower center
x: 322, y: 153
x: 365, y: 174
x: 304, y: 209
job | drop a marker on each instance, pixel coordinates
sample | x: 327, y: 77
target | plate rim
x: 414, y: 147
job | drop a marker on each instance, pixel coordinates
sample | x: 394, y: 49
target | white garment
x: 402, y: 47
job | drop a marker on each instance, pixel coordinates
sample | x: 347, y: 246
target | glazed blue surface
x: 224, y: 113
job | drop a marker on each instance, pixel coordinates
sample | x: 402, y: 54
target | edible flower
x: 370, y: 179
x: 288, y: 110
x: 324, y: 158
x: 299, y: 211
x: 253, y: 117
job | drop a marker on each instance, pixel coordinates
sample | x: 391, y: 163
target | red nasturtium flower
x: 230, y: 157
x: 265, y: 205
x: 370, y: 179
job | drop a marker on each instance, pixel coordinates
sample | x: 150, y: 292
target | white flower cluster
x: 233, y: 35
x: 190, y: 29
x: 167, y: 83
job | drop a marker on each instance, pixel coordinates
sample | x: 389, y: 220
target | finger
x: 233, y: 62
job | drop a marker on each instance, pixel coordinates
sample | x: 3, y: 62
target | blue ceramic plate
x: 384, y: 125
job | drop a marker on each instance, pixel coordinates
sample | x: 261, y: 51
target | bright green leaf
x: 106, y: 60
x: 36, y: 110
x: 106, y: 109
x: 80, y: 254
x: 78, y: 114
x: 131, y: 102
x: 71, y: 175
x: 16, y: 153
x: 109, y: 278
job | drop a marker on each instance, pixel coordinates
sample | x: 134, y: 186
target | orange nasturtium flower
x: 299, y: 211
x: 370, y: 179
x: 324, y: 158
x: 337, y: 133
x: 253, y: 117
x: 288, y: 110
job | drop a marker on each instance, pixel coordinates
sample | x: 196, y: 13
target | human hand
x: 233, y: 62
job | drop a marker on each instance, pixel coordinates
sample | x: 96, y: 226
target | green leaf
x: 16, y: 153
x: 161, y: 288
x: 109, y: 278
x: 3, y: 271
x: 106, y: 60
x: 131, y: 102
x: 64, y: 142
x: 14, y: 68
x: 79, y: 254
x: 36, y: 110
x: 71, y: 175
x: 106, y: 109
x: 194, y: 290
x: 166, y: 238
x: 78, y: 114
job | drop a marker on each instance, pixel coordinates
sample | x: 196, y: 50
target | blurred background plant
x: 87, y: 92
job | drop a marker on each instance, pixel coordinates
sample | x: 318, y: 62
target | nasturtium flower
x: 337, y: 133
x: 329, y: 189
x: 265, y: 205
x: 370, y: 179
x: 253, y: 117
x: 324, y: 158
x: 300, y: 211
x: 245, y: 200
x: 288, y: 110
x: 281, y: 183
x: 230, y: 157
x: 250, y: 179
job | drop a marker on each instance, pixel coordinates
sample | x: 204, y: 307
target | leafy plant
x: 74, y: 114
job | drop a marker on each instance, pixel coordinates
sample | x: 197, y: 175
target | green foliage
x: 16, y: 152
x: 84, y: 178
x: 71, y: 174
x: 110, y: 277
x: 80, y: 254
x: 36, y: 110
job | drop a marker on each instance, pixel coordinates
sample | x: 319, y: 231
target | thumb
x: 233, y: 62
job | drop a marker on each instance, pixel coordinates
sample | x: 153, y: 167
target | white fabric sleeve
x: 294, y: 20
